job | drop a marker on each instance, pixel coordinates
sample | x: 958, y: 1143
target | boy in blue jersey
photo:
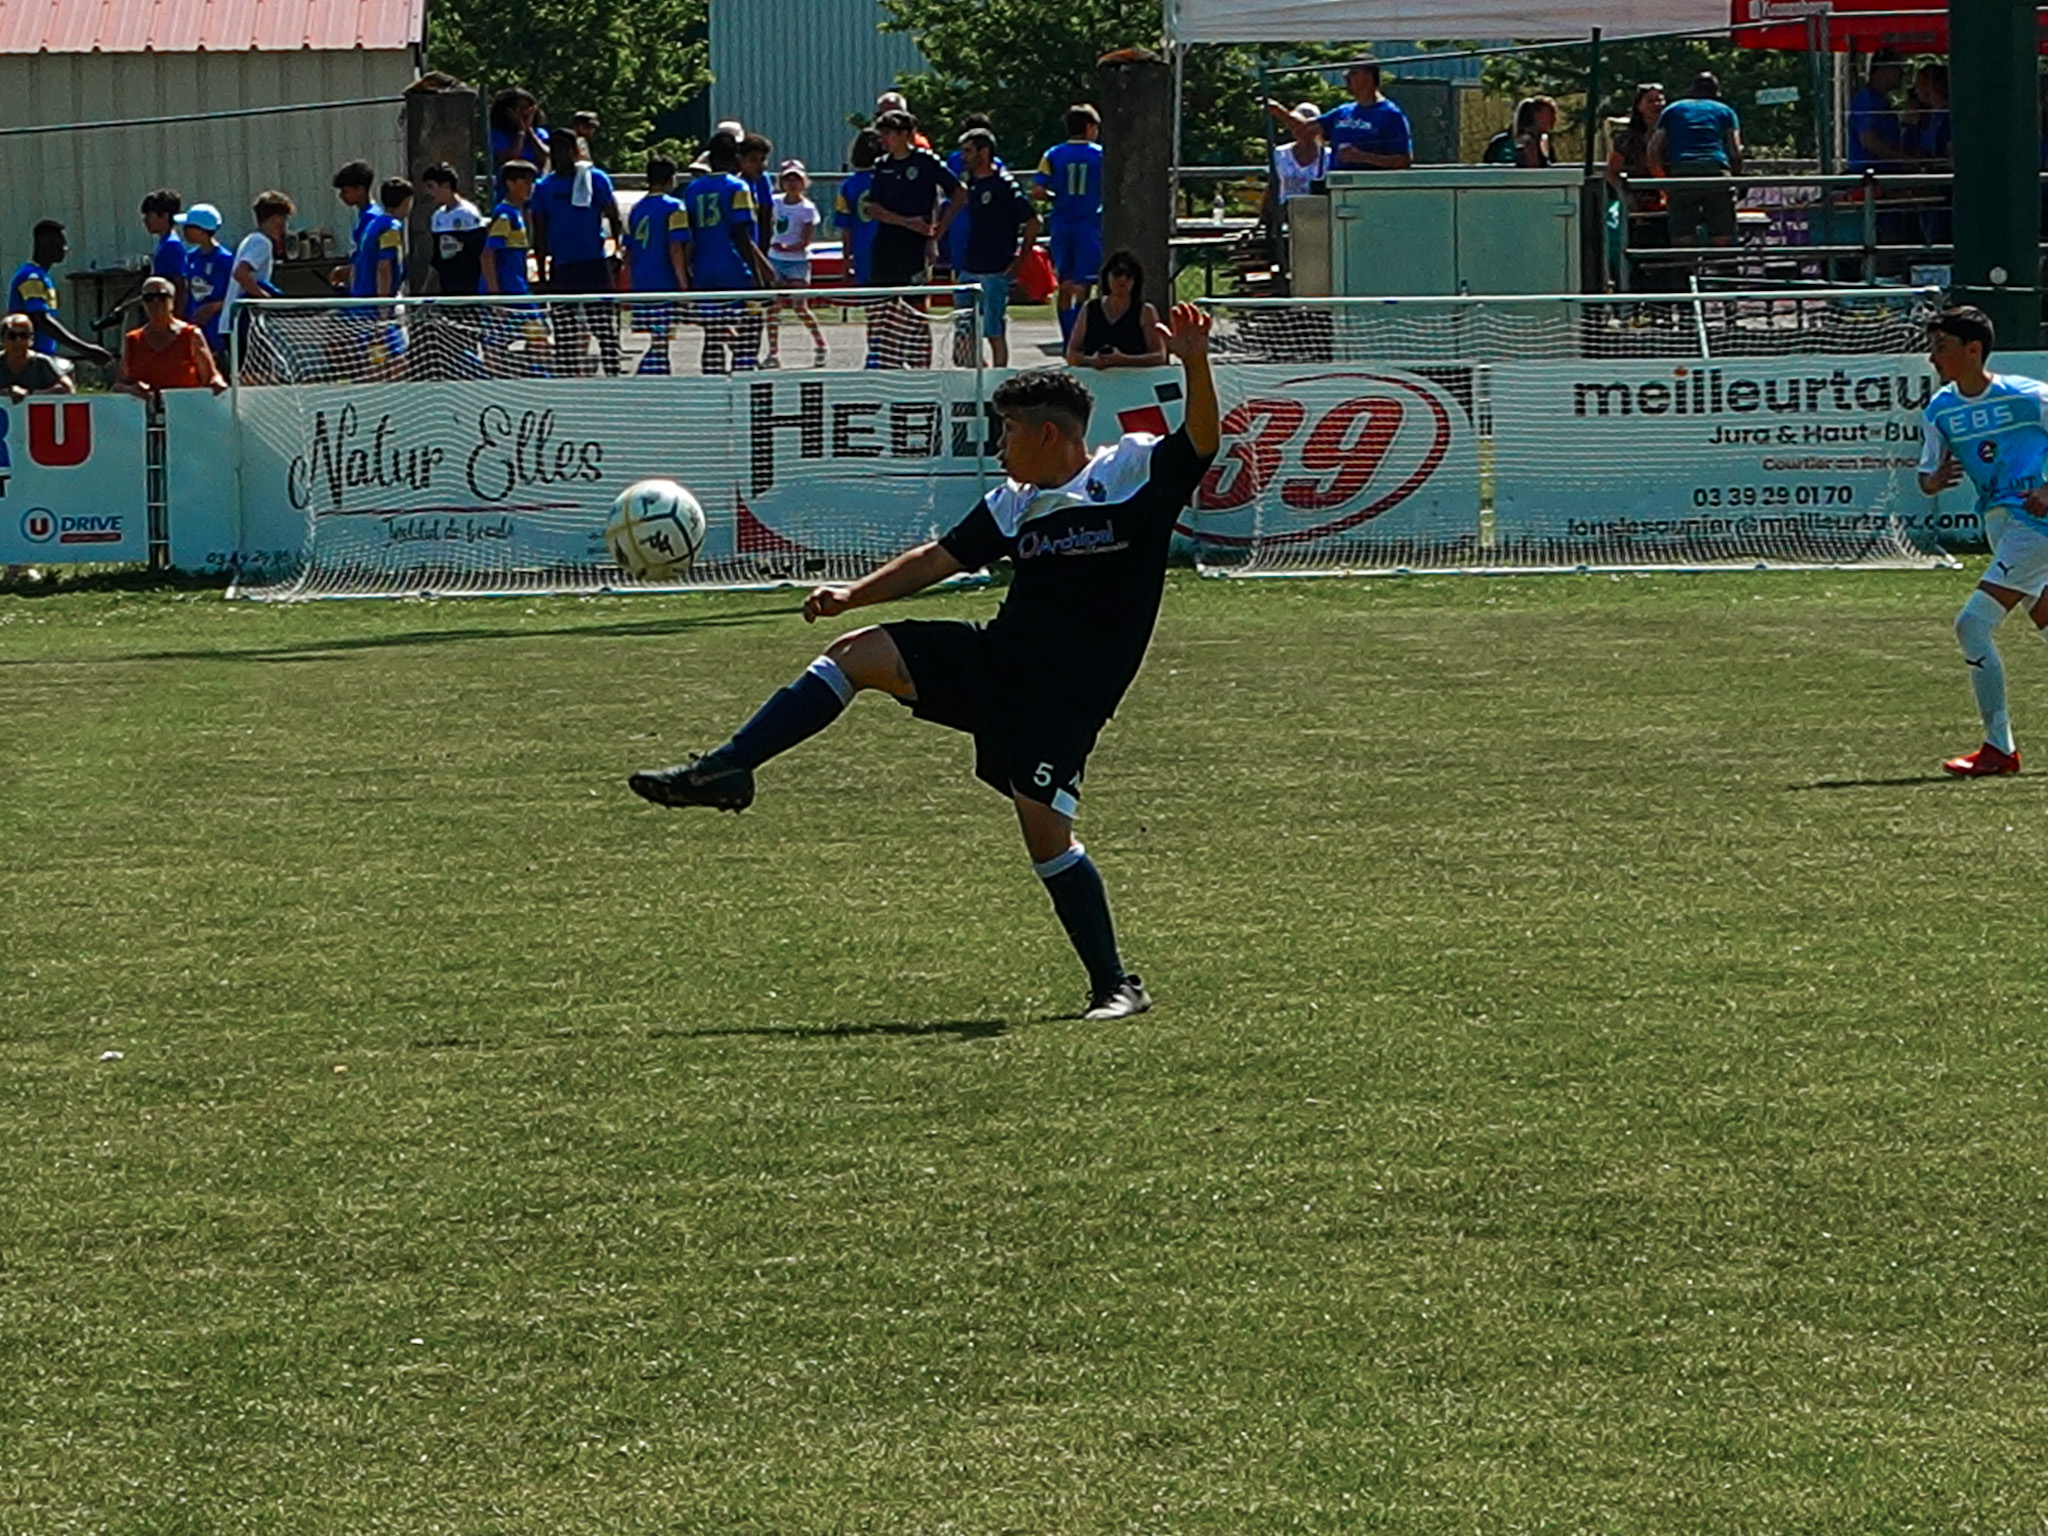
x: 1992, y: 428
x: 573, y: 206
x: 658, y: 246
x: 725, y: 257
x: 33, y: 292
x: 1071, y: 175
x: 160, y: 210
x: 507, y: 244
x: 209, y: 269
x: 352, y: 187
x: 377, y: 271
x: 850, y: 210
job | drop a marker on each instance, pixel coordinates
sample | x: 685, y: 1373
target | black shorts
x: 897, y: 263
x: 1026, y: 741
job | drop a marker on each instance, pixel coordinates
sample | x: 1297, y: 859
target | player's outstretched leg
x: 1082, y: 904
x: 1974, y: 627
x: 724, y: 778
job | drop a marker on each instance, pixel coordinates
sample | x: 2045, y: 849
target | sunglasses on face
x: 156, y: 298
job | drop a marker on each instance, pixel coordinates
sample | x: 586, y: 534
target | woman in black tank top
x: 1119, y: 329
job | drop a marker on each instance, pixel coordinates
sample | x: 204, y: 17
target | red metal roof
x: 218, y: 26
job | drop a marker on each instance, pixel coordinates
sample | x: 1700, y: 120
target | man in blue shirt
x: 725, y: 257
x: 1002, y: 225
x: 658, y: 239
x: 33, y: 292
x: 1369, y: 132
x: 1876, y: 141
x: 1994, y: 429
x: 209, y: 268
x: 507, y: 245
x: 573, y: 205
x: 850, y: 209
x: 1698, y: 137
x: 1071, y: 175
x: 160, y: 210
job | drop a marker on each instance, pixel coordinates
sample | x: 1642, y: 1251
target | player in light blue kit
x: 1992, y: 427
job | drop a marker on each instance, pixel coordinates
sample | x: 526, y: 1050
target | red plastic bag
x: 1036, y: 279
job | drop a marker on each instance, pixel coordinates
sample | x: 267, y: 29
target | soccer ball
x: 655, y: 531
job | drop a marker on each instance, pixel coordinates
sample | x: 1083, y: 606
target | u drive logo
x: 39, y: 525
x: 59, y: 434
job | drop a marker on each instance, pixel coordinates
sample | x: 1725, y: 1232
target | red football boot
x: 1982, y: 763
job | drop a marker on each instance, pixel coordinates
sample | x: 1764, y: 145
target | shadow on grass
x: 1906, y: 781
x: 318, y: 650
x: 963, y: 1029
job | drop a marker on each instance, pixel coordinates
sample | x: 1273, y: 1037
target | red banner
x: 1911, y: 26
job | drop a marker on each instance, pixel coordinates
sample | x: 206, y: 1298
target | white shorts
x: 794, y: 270
x: 2019, y: 553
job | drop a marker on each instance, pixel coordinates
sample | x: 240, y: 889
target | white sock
x: 1974, y: 626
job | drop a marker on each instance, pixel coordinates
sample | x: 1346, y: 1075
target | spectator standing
x: 1119, y: 329
x: 914, y: 198
x: 1930, y: 140
x: 377, y: 269
x: 1070, y: 174
x: 508, y: 244
x: 23, y: 370
x: 516, y: 132
x: 209, y: 273
x: 658, y: 243
x: 754, y: 152
x: 1876, y: 141
x: 1302, y: 161
x: 956, y: 233
x: 458, y: 228
x: 895, y: 101
x: 1698, y: 137
x: 255, y: 258
x: 1368, y: 132
x: 1644, y: 220
x: 725, y: 257
x: 793, y: 218
x: 165, y: 352
x: 160, y: 210
x: 1002, y: 225
x: 572, y: 209
x: 33, y: 292
x: 1526, y: 142
x: 850, y: 210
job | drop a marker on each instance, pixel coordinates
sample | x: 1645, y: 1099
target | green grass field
x: 1597, y: 1083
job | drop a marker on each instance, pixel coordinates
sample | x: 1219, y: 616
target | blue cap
x: 202, y: 216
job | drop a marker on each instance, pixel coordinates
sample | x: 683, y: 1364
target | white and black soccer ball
x: 655, y: 531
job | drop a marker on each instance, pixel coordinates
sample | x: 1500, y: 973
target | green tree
x: 1024, y: 62
x: 1673, y: 61
x: 625, y: 60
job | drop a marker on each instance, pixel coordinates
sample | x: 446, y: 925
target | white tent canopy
x: 1315, y: 21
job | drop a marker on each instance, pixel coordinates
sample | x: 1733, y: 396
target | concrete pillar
x: 1992, y: 70
x: 441, y: 123
x: 1134, y: 94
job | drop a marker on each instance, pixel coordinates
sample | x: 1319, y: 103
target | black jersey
x: 912, y: 187
x: 1090, y: 562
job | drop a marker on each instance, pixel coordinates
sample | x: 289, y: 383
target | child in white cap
x: 793, y: 220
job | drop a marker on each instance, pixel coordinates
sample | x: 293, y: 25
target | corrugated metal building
x: 102, y: 62
x: 794, y: 69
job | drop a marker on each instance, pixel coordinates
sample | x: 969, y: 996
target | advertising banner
x: 73, y: 480
x: 1734, y: 458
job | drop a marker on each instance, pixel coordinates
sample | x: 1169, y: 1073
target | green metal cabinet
x: 1450, y: 230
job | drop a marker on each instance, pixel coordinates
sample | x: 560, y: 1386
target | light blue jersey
x: 2000, y: 438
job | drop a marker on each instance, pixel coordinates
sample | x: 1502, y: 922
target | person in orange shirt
x: 165, y: 352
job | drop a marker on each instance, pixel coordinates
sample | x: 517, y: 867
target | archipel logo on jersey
x: 1333, y: 466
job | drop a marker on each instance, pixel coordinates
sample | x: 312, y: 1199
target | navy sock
x: 1083, y: 907
x: 791, y: 715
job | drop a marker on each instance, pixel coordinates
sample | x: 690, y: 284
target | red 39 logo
x: 1356, y: 459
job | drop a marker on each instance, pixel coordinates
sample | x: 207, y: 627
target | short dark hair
x: 981, y: 138
x: 357, y: 173
x: 441, y: 174
x: 508, y: 101
x: 867, y: 149
x: 1046, y: 394
x: 1706, y: 85
x: 660, y: 168
x: 722, y: 153
x: 1080, y: 115
x: 895, y: 121
x: 1370, y: 66
x: 270, y: 204
x: 757, y: 144
x: 164, y: 200
x: 519, y: 170
x: 1966, y: 323
x: 47, y: 227
x: 977, y: 120
x: 394, y: 192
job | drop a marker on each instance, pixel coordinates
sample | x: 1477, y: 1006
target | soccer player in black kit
x: 1087, y: 535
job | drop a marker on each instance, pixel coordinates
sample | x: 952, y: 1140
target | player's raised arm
x: 911, y: 571
x: 1186, y: 335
